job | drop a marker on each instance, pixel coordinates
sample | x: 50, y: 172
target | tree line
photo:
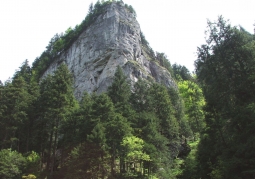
x: 115, y: 134
x: 201, y: 129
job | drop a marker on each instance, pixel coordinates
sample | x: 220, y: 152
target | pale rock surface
x: 112, y: 40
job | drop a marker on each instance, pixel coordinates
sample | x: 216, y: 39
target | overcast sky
x: 175, y: 27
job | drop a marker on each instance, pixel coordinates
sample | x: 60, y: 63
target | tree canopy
x: 225, y: 70
x: 201, y: 128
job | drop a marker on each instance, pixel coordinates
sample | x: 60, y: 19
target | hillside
x: 100, y: 103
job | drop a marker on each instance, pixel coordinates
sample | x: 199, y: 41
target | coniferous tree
x: 43, y: 133
x: 179, y: 107
x: 33, y: 90
x: 139, y: 97
x: 58, y: 102
x: 24, y: 71
x: 225, y: 69
x: 81, y: 122
x: 33, y: 93
x: 116, y: 129
x: 162, y: 106
x: 120, y: 93
x: 142, y: 128
x: 181, y: 72
x: 14, y: 106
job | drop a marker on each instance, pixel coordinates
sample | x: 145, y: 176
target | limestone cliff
x: 113, y: 39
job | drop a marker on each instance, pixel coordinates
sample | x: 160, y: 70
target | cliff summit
x: 113, y: 39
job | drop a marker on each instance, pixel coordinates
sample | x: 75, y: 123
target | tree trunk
x: 113, y: 157
x: 49, y: 151
x: 55, y: 146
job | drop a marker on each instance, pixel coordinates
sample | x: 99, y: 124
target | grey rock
x: 112, y: 40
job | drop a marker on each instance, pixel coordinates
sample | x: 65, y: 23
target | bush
x: 33, y: 162
x: 12, y: 164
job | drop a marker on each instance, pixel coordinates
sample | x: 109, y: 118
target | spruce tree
x: 161, y: 105
x: 15, y: 101
x: 139, y: 97
x: 58, y: 102
x: 120, y: 92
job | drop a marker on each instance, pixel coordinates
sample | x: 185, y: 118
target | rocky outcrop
x: 112, y: 40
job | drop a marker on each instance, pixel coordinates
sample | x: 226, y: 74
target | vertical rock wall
x: 112, y: 40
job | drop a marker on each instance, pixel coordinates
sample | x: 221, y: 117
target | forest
x: 202, y: 128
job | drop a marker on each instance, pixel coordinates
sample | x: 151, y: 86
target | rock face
x: 112, y: 40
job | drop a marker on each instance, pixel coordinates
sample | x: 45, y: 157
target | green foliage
x: 81, y: 122
x: 164, y: 62
x: 33, y: 163
x: 15, y: 100
x: 124, y: 133
x: 24, y: 71
x: 194, y: 103
x: 161, y: 104
x: 85, y: 161
x: 158, y: 120
x: 147, y: 46
x: 179, y: 107
x: 57, y: 103
x: 116, y: 129
x: 111, y: 132
x: 134, y: 157
x: 12, y: 164
x: 17, y: 107
x: 225, y: 69
x: 181, y: 73
x: 98, y: 135
x: 160, y: 58
x: 119, y: 91
x: 189, y: 166
x: 139, y: 97
x: 130, y: 9
x: 143, y: 40
x: 133, y: 147
x: 102, y: 113
x: 61, y: 42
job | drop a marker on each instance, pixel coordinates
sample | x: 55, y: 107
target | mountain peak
x: 113, y: 39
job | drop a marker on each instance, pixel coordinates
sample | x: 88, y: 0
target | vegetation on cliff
x: 61, y: 42
x: 202, y: 129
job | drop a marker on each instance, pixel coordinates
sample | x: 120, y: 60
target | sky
x: 174, y: 27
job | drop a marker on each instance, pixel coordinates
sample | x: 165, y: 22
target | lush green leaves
x: 85, y: 161
x: 225, y: 69
x: 181, y: 72
x: 11, y: 164
x: 194, y: 102
x: 133, y: 147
